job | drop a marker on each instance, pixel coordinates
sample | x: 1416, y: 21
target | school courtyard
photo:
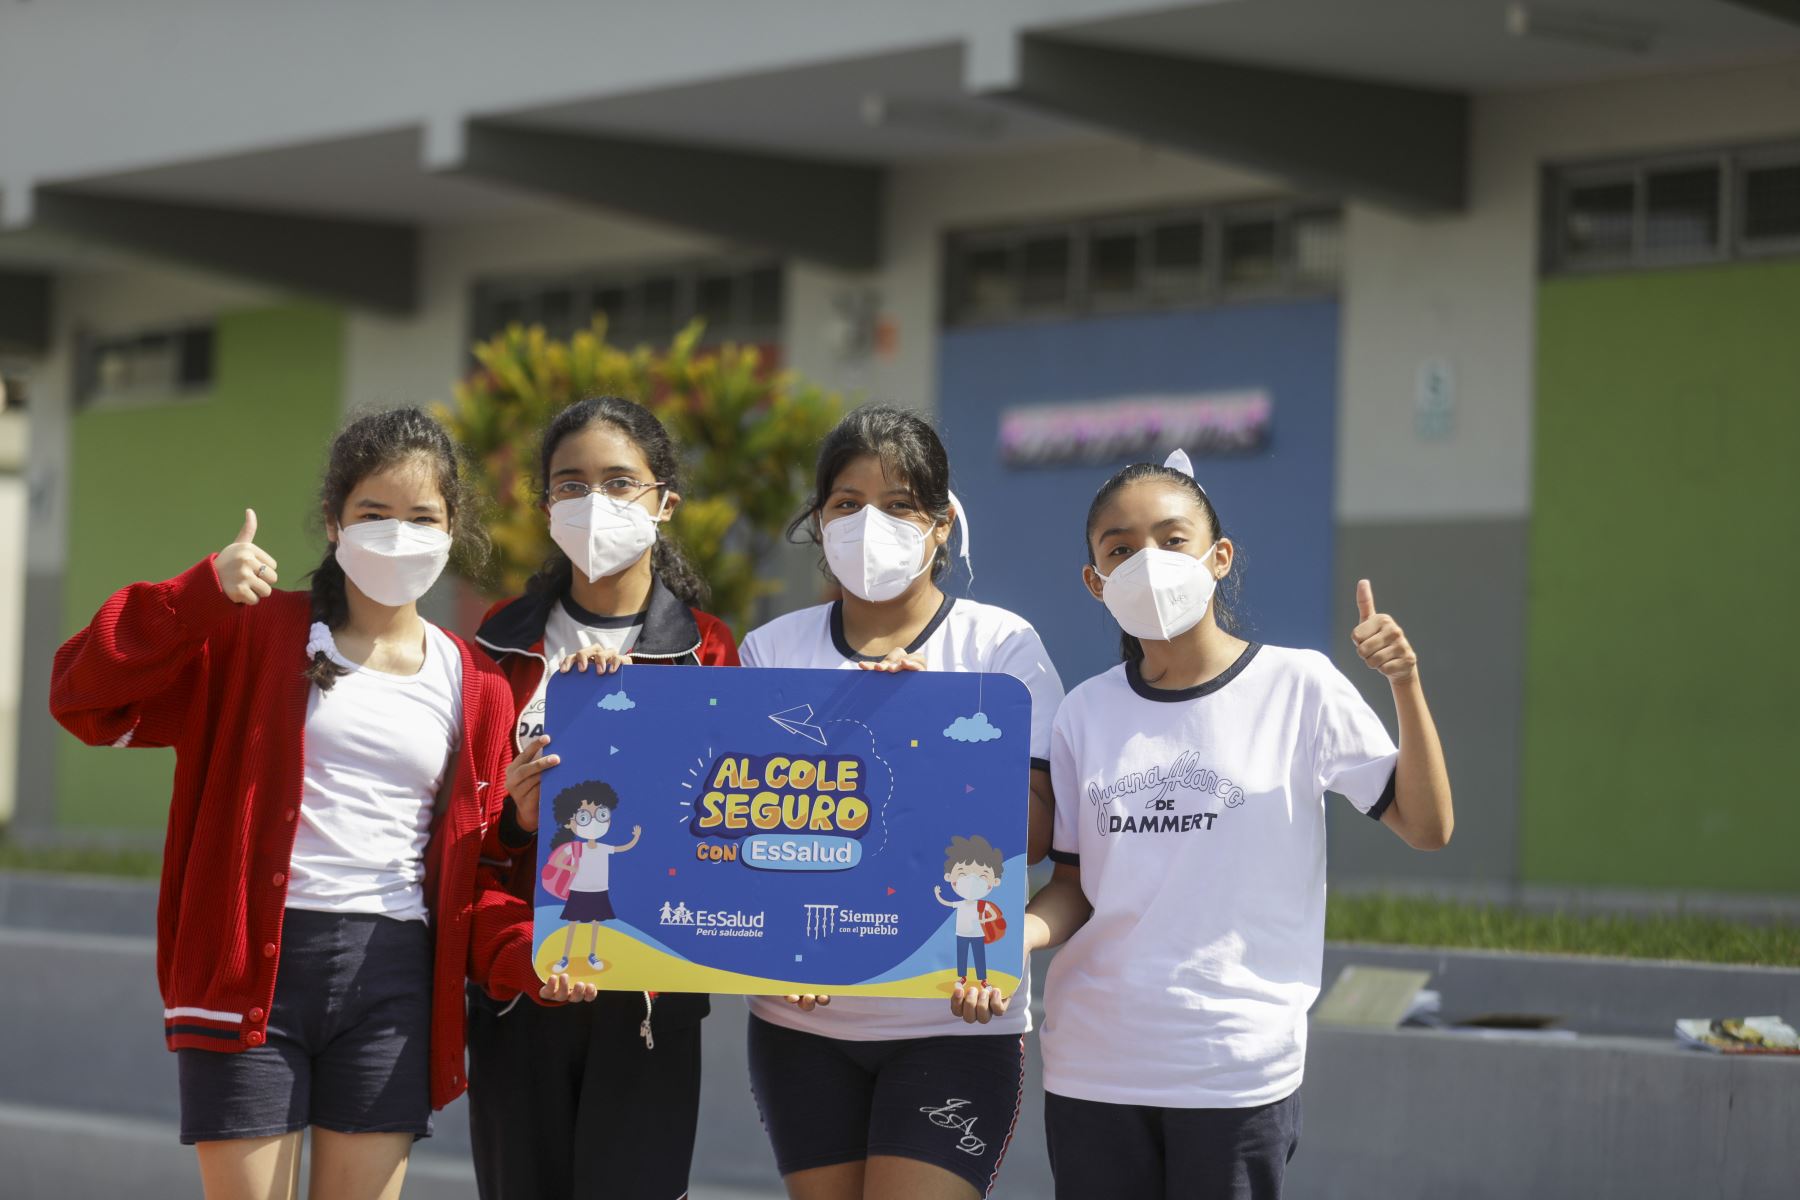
x: 1491, y: 303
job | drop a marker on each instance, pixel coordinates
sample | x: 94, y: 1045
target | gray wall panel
x: 1458, y: 590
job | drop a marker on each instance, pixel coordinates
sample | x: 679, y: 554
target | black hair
x: 653, y: 442
x: 975, y: 851
x: 909, y: 450
x: 366, y: 446
x: 568, y: 802
x: 1130, y: 647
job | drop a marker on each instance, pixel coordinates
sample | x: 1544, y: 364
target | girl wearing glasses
x: 553, y: 1091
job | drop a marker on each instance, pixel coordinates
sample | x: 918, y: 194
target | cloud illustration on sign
x: 617, y: 702
x: 972, y: 729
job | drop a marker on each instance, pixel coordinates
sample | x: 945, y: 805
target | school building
x: 1497, y: 305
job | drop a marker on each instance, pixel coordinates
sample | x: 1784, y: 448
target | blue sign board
x: 766, y: 831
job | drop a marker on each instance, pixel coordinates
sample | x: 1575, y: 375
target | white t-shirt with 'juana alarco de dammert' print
x: 1197, y: 818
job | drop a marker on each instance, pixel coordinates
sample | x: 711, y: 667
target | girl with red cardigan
x: 606, y: 1096
x: 339, y: 764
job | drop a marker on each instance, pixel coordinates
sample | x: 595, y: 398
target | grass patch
x: 1410, y: 921
x: 81, y: 860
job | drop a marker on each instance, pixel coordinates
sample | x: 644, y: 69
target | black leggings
x: 569, y: 1100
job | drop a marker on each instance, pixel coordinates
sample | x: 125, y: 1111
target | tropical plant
x: 747, y: 436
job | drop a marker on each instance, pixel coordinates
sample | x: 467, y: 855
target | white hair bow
x: 1178, y: 461
x: 962, y: 518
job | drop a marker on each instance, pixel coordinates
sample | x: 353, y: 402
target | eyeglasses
x: 624, y: 488
x: 584, y: 817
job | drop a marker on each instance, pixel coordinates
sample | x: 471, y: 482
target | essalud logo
x: 678, y: 913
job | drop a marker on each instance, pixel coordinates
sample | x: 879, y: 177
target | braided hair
x: 367, y: 446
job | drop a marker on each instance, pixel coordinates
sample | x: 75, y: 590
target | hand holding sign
x: 1380, y: 640
x: 523, y: 775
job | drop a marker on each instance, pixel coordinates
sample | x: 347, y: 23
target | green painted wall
x: 155, y: 489
x: 1665, y: 565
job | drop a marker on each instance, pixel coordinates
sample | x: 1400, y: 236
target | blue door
x: 1276, y: 502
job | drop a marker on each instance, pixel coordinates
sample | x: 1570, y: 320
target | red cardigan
x: 178, y: 664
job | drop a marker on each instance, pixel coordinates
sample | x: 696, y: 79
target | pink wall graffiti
x: 1136, y: 427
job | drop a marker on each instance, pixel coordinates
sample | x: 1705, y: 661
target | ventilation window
x: 1699, y: 207
x: 1141, y: 262
x: 1318, y: 247
x: 1682, y: 212
x: 149, y: 367
x: 1772, y: 202
x: 1600, y: 220
x: 1044, y: 277
x: 1178, y: 258
x: 1252, y: 253
x: 737, y: 302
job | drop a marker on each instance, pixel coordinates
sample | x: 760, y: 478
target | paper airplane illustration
x: 798, y: 719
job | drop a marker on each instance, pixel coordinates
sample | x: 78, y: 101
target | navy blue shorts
x: 349, y: 1038
x: 950, y: 1101
x: 1150, y: 1153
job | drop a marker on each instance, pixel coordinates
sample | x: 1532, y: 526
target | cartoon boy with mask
x: 972, y: 868
x: 583, y: 817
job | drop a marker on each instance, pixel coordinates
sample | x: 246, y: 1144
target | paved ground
x: 88, y: 1102
x: 88, y: 1099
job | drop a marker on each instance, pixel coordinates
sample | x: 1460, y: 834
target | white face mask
x: 874, y: 555
x: 601, y: 536
x: 971, y: 886
x: 1159, y: 594
x: 392, y: 562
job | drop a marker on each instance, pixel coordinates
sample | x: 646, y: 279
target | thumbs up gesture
x: 246, y: 573
x: 1380, y: 640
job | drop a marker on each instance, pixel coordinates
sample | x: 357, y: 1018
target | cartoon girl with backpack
x: 579, y: 866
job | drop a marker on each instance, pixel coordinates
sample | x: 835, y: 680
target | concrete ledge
x: 77, y: 903
x: 1592, y: 995
x: 88, y: 1099
x: 1426, y: 1114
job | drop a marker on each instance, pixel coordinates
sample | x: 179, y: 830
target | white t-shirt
x: 1198, y: 821
x: 968, y: 918
x: 963, y: 636
x: 377, y: 748
x: 593, y: 868
x: 567, y: 630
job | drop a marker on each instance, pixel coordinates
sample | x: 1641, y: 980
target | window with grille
x: 1142, y: 261
x: 147, y: 367
x: 1708, y: 206
x: 738, y: 301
